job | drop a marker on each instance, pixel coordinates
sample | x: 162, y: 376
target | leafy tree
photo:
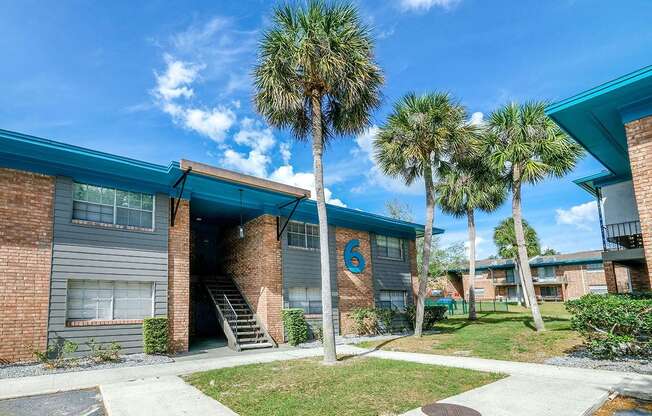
x: 505, y: 239
x: 466, y: 186
x: 316, y: 75
x: 419, y: 137
x: 399, y: 210
x: 550, y: 252
x: 526, y: 146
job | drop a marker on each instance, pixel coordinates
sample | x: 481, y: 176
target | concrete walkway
x: 532, y: 389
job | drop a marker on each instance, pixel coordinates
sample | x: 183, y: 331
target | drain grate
x: 445, y: 409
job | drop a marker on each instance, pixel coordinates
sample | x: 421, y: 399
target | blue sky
x: 160, y: 80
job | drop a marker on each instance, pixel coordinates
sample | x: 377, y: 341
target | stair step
x: 256, y: 345
x: 251, y: 340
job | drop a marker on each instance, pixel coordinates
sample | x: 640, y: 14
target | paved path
x: 532, y: 389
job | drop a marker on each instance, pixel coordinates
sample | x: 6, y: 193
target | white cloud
x: 477, y: 118
x: 213, y: 123
x: 306, y: 180
x: 425, y: 5
x: 583, y: 216
x: 260, y: 140
x: 285, y: 151
x: 175, y: 81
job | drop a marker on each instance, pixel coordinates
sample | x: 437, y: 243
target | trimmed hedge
x: 155, y: 335
x: 613, y: 325
x: 295, y: 326
x: 431, y: 315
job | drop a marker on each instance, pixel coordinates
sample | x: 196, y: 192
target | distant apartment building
x: 559, y: 277
x: 613, y: 122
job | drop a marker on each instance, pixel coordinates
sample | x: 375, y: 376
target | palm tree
x: 527, y: 147
x: 421, y: 135
x: 465, y: 187
x: 316, y: 76
x: 505, y: 240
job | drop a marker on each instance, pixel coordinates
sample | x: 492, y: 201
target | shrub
x: 386, y: 317
x: 318, y: 333
x: 55, y: 355
x: 100, y: 353
x: 613, y: 325
x: 365, y: 321
x: 295, y: 326
x: 431, y: 315
x: 155, y: 335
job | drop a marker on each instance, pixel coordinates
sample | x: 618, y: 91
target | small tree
x: 526, y: 146
x: 505, y: 239
x: 420, y: 136
x: 399, y: 210
x: 466, y: 186
x: 316, y: 75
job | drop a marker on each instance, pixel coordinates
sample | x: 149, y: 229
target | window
x: 112, y: 206
x: 108, y: 300
x: 394, y: 299
x: 594, y: 267
x: 306, y: 298
x: 599, y: 289
x: 546, y: 273
x: 389, y: 247
x: 303, y: 235
x: 549, y: 292
x: 509, y: 275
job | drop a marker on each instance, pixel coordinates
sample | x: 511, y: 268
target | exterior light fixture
x: 241, y: 231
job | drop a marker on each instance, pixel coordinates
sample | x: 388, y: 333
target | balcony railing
x: 622, y: 236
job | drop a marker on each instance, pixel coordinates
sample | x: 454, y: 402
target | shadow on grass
x: 493, y: 318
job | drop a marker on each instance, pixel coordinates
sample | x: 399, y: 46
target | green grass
x: 498, y: 335
x: 355, y: 386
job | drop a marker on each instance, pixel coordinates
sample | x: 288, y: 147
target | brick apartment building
x: 91, y: 243
x: 556, y: 278
x: 613, y: 121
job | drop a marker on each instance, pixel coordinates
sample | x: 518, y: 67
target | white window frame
x: 391, y: 294
x: 305, y: 299
x: 386, y: 255
x: 112, y: 301
x: 304, y: 235
x: 115, y: 206
x: 600, y: 270
x: 603, y: 289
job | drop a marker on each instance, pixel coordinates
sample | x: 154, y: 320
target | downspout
x: 598, y: 192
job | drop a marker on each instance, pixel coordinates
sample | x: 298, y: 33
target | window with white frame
x: 112, y: 206
x: 509, y: 275
x: 599, y: 289
x: 303, y: 235
x: 594, y: 267
x: 546, y: 273
x: 389, y: 247
x: 108, y: 300
x: 306, y: 298
x: 394, y: 299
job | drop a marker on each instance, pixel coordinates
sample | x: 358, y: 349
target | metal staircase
x: 241, y: 326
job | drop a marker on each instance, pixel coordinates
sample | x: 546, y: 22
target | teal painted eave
x: 596, y: 118
x: 209, y: 195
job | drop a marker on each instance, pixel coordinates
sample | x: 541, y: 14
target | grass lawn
x: 499, y: 335
x: 355, y: 386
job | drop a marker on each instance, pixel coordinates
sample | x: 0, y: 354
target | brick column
x: 356, y: 290
x: 610, y: 276
x: 255, y: 263
x: 25, y: 262
x: 179, y: 279
x: 639, y: 145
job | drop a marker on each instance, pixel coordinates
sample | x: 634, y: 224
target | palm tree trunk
x: 427, y: 244
x: 471, y: 222
x: 328, y: 334
x: 523, y: 260
x: 525, y: 299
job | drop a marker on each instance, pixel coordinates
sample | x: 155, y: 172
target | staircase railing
x: 231, y: 335
x: 230, y: 315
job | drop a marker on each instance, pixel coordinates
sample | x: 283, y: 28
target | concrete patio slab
x: 159, y: 396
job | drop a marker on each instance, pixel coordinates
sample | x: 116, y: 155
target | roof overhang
x: 596, y: 118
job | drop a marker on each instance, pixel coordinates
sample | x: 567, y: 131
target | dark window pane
x: 108, y: 196
x: 134, y: 218
x: 135, y: 200
x: 122, y: 217
x: 146, y: 219
x: 122, y: 199
x: 79, y: 192
x: 148, y: 202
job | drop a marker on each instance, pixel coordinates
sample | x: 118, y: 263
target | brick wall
x: 639, y: 145
x: 179, y: 279
x: 356, y: 290
x: 255, y: 263
x: 25, y: 262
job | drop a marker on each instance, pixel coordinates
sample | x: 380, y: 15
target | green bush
x: 295, y: 326
x: 386, y: 317
x: 364, y: 320
x: 431, y: 315
x: 613, y: 325
x: 55, y: 356
x: 100, y: 354
x: 155, y: 335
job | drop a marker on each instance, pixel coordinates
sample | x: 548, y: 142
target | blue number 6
x: 349, y: 255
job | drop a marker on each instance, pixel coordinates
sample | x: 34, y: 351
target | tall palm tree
x: 467, y: 186
x: 420, y: 137
x: 316, y: 75
x: 528, y: 147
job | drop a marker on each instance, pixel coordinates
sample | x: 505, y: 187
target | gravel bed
x: 353, y: 339
x: 584, y: 360
x: 32, y: 369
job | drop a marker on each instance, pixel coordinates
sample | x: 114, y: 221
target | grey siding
x: 391, y: 274
x: 302, y: 268
x: 102, y: 253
